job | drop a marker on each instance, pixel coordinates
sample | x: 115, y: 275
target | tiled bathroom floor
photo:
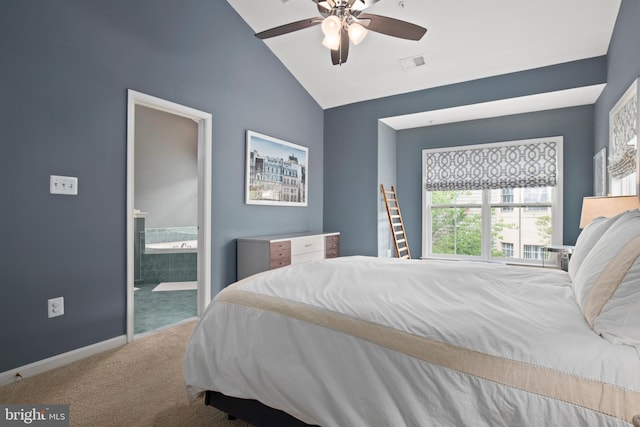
x: 153, y: 310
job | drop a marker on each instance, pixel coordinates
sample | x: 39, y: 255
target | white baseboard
x: 60, y: 360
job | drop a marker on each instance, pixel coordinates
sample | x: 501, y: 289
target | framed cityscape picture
x: 276, y: 172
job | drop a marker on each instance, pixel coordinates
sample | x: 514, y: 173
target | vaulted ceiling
x: 466, y: 40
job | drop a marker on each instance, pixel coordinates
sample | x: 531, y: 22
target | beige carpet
x: 139, y: 384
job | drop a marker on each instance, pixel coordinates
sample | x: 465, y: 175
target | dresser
x: 262, y: 253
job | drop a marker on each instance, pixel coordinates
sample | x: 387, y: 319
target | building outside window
x: 533, y: 252
x: 536, y: 195
x: 507, y: 250
x: 474, y: 214
x: 507, y: 197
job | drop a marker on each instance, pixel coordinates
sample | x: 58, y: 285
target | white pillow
x: 607, y: 284
x: 587, y: 240
x: 619, y: 321
x: 624, y: 228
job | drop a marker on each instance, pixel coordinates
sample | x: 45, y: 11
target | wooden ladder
x: 395, y: 221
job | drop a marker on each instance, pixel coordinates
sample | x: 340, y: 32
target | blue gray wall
x: 351, y: 152
x: 623, y: 67
x: 66, y: 68
x: 387, y: 175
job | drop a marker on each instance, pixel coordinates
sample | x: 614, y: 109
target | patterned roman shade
x: 492, y: 166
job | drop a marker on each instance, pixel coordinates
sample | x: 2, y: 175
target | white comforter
x: 518, y: 319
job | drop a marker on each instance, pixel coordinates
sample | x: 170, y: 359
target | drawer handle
x: 308, y: 245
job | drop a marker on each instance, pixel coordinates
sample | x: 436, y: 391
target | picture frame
x: 624, y: 117
x: 600, y: 173
x: 277, y: 172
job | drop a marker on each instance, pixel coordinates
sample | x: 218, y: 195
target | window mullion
x: 427, y: 226
x: 486, y: 225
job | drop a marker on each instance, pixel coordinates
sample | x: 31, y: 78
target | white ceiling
x: 524, y: 104
x: 466, y: 40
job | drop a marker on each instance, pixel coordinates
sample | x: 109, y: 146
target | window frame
x: 486, y: 206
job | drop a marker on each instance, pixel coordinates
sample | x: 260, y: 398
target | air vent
x: 413, y: 62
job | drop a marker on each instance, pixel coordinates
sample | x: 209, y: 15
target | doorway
x: 194, y: 243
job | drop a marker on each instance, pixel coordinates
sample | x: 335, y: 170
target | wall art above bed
x: 624, y: 117
x: 600, y: 173
x: 276, y: 172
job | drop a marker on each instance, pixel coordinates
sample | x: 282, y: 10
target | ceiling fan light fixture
x: 331, y: 25
x: 331, y: 41
x: 357, y: 33
x: 343, y: 23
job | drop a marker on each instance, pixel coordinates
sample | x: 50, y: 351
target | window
x: 528, y: 222
x: 507, y: 197
x: 493, y: 201
x: 533, y: 252
x: 536, y: 195
x: 455, y: 222
x: 507, y: 250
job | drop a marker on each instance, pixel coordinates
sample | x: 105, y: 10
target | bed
x: 363, y: 341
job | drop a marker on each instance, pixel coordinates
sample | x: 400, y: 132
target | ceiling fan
x: 344, y: 20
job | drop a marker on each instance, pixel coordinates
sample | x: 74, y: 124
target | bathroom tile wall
x: 169, y: 267
x: 176, y: 267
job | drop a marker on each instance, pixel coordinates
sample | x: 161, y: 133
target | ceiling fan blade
x: 322, y: 10
x: 323, y: 5
x: 289, y: 28
x: 329, y: 3
x: 344, y: 45
x: 335, y: 56
x: 339, y: 56
x: 361, y: 5
x: 392, y: 27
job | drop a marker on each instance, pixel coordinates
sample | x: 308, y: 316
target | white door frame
x: 205, y: 126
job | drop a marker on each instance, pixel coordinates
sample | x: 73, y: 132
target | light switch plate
x: 55, y: 307
x: 67, y: 185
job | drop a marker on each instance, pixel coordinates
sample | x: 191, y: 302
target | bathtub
x: 187, y: 246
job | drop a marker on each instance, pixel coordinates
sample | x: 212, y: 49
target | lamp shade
x: 594, y: 207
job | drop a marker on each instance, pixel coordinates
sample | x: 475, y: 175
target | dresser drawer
x: 279, y: 250
x: 332, y: 246
x: 333, y: 253
x: 279, y: 254
x: 280, y: 262
x: 307, y: 244
x: 307, y: 257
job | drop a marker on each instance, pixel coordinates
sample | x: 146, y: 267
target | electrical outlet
x: 55, y: 307
x: 63, y: 185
